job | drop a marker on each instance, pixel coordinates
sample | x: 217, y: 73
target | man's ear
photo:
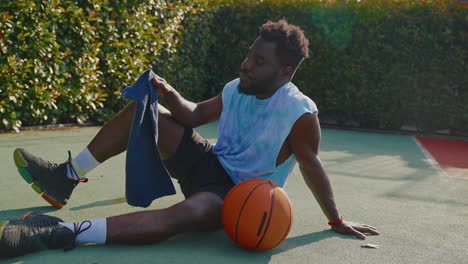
x: 287, y: 72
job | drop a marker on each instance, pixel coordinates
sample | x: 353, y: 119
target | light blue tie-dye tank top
x: 252, y: 131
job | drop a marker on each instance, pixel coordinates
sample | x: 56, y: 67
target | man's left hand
x: 355, y: 229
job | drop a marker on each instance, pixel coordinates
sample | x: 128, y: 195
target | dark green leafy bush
x: 374, y: 64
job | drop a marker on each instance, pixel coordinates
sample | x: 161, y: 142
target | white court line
x: 430, y: 159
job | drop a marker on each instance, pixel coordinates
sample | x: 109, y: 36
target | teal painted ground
x: 382, y: 180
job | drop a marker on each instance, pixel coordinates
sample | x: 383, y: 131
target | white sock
x: 82, y: 164
x: 93, y: 231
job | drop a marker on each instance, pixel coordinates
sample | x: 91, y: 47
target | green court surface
x: 379, y: 179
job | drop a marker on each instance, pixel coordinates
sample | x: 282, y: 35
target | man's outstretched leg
x: 200, y: 212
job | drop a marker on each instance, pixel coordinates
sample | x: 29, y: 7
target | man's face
x: 260, y: 72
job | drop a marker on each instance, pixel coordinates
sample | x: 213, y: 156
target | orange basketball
x: 257, y: 214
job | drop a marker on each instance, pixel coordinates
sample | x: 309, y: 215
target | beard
x: 249, y: 89
x: 257, y: 86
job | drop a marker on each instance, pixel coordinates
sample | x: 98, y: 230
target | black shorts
x: 196, y: 168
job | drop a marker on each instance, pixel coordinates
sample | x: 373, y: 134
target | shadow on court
x: 17, y: 213
x: 389, y: 158
x: 211, y: 247
x: 100, y: 203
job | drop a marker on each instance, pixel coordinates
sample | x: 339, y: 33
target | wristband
x: 336, y: 222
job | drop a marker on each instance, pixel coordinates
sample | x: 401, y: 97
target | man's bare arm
x: 188, y: 113
x: 304, y: 141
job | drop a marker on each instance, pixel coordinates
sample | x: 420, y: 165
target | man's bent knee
x: 203, y: 210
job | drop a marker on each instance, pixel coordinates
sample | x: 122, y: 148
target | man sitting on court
x: 266, y: 126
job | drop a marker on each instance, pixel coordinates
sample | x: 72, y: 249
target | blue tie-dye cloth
x: 252, y: 131
x: 146, y: 176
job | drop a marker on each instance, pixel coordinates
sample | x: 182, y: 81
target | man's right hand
x: 162, y: 85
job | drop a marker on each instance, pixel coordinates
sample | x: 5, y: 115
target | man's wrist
x: 336, y: 222
x: 163, y: 92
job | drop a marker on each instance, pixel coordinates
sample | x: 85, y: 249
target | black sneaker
x: 47, y: 178
x: 36, y: 232
x: 40, y: 218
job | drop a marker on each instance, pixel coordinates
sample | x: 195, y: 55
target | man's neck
x: 270, y: 93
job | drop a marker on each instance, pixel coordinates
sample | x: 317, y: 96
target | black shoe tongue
x: 62, y: 237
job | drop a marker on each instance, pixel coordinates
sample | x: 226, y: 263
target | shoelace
x: 78, y: 229
x: 73, y: 171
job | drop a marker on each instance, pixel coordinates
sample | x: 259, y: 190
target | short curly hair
x: 292, y: 46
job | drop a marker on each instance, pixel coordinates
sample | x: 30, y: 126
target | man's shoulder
x: 230, y: 87
x: 299, y: 99
x: 232, y: 84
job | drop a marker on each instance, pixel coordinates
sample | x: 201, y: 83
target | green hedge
x: 374, y: 64
x: 67, y: 61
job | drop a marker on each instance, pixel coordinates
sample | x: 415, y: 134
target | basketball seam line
x: 243, y: 205
x: 269, y: 217
x: 262, y: 223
